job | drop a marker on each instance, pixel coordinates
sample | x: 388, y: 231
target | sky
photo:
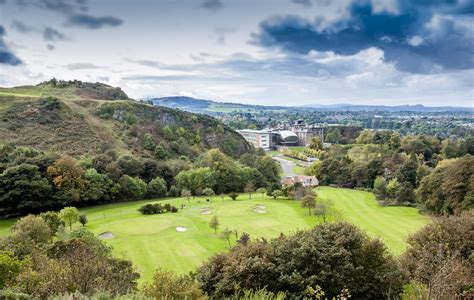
x: 268, y: 52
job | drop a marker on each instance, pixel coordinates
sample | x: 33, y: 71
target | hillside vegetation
x: 85, y: 118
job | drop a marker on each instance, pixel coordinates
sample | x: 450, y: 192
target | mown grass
x: 151, y: 241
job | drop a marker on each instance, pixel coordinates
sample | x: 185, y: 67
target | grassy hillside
x: 85, y: 118
x: 151, y: 241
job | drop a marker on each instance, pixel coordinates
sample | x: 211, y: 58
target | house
x: 304, y: 180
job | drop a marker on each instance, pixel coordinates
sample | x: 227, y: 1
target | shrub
x: 151, y: 209
x: 233, y: 195
x: 335, y: 257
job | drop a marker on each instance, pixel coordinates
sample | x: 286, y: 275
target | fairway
x: 152, y: 241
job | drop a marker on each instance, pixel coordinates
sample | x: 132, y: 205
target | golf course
x: 183, y: 240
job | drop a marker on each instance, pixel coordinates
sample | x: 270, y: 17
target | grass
x: 152, y: 241
x: 299, y: 170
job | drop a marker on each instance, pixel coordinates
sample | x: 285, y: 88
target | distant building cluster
x: 296, y: 134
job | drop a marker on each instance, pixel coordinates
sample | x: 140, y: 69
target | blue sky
x: 284, y: 52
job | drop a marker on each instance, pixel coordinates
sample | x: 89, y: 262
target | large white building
x: 259, y: 138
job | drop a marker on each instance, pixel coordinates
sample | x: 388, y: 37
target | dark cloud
x: 61, y: 6
x: 6, y: 56
x: 50, y: 47
x: 212, y: 4
x: 52, y: 35
x: 22, y: 27
x: 3, y: 2
x: 306, y: 3
x: 415, y: 39
x: 91, y: 22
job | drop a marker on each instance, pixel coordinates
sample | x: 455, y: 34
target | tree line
x: 34, y: 181
x: 423, y: 171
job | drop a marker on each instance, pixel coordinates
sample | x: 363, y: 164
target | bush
x: 157, y: 208
x: 157, y: 187
x: 334, y: 256
x: 233, y: 195
x: 151, y: 209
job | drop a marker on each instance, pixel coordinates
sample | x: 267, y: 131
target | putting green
x: 152, y: 241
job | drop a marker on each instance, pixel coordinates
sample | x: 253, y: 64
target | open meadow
x: 153, y: 241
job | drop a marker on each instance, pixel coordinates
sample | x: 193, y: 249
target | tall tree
x: 70, y: 215
x: 214, y: 223
x: 308, y: 202
x: 249, y: 188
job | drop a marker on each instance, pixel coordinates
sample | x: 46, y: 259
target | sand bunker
x: 181, y: 228
x: 260, y: 209
x: 205, y: 211
x: 106, y: 235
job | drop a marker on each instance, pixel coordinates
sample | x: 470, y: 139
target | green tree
x: 53, y: 220
x: 208, y: 192
x: 380, y: 188
x: 10, y: 267
x: 32, y: 228
x: 149, y: 142
x: 167, y: 285
x: 249, y: 188
x: 393, y: 188
x: 69, y: 215
x: 98, y: 186
x: 168, y: 133
x: 262, y: 191
x: 28, y: 235
x: 131, y: 187
x: 130, y: 165
x: 316, y: 143
x: 308, y: 202
x: 22, y: 189
x: 214, y: 223
x: 330, y: 255
x: 322, y: 208
x: 440, y: 256
x: 157, y: 187
x: 226, y: 234
x: 83, y: 219
x: 160, y: 152
x: 276, y: 194
x: 186, y: 194
x: 233, y: 196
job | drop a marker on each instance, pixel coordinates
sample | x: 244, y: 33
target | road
x: 286, y: 165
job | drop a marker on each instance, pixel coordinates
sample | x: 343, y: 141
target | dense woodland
x: 34, y: 181
x: 416, y: 170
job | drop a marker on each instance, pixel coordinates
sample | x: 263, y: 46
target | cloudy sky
x: 251, y: 51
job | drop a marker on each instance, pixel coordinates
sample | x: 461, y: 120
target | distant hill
x: 207, y: 106
x: 413, y: 108
x: 213, y: 107
x: 79, y: 118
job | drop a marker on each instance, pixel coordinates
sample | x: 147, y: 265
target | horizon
x: 303, y: 52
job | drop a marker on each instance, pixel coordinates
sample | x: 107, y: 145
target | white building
x: 258, y: 138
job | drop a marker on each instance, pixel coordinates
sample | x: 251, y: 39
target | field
x: 151, y: 241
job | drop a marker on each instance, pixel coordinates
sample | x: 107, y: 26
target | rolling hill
x: 80, y: 118
x: 213, y: 107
